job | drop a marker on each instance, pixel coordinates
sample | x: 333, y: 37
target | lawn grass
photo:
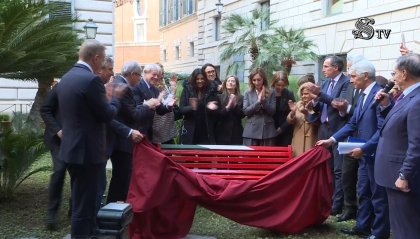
x: 24, y: 215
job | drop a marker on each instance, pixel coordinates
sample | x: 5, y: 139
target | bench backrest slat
x: 240, y: 162
x: 227, y: 159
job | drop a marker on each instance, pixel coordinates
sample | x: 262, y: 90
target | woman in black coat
x: 229, y: 126
x: 199, y: 107
x: 279, y: 83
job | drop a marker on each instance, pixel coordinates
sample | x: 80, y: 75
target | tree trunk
x: 254, y: 52
x: 34, y: 117
x: 287, y: 64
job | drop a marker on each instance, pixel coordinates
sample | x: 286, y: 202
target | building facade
x: 179, y: 35
x: 329, y: 23
x: 137, y: 35
x: 18, y: 95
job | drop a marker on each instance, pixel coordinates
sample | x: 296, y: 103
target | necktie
x: 399, y: 98
x: 362, y: 101
x: 324, y: 115
x: 356, y: 94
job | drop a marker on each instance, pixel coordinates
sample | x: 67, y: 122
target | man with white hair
x: 146, y: 90
x: 124, y: 131
x: 372, y: 219
x: 350, y: 165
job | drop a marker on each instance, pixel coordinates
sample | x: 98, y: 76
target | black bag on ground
x: 113, y: 218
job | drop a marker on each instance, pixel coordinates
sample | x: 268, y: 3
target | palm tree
x: 35, y: 46
x: 273, y: 48
x: 290, y: 46
x: 245, y: 36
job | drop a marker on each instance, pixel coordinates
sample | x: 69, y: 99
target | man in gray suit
x: 397, y: 164
x: 335, y: 86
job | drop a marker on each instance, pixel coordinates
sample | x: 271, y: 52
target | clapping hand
x: 314, y: 89
x: 173, y: 84
x: 232, y: 101
x: 152, y: 103
x: 193, y: 102
x: 292, y: 106
x: 340, y: 104
x: 171, y: 102
x: 162, y: 95
x: 212, y: 105
x: 261, y: 95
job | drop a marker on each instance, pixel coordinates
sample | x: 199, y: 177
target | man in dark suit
x: 84, y: 110
x: 397, y: 165
x: 372, y: 217
x: 334, y: 87
x: 123, y: 132
x: 52, y: 137
x: 107, y: 74
x: 145, y: 91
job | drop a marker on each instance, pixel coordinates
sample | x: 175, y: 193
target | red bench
x: 229, y: 162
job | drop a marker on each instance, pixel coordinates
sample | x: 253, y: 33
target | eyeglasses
x: 135, y: 73
x: 210, y: 72
x: 393, y: 73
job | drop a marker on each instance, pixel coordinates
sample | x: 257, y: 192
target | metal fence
x: 15, y: 106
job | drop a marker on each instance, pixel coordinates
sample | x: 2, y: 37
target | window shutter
x: 62, y: 9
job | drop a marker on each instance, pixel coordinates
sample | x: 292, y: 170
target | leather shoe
x: 375, y: 237
x: 356, y: 232
x: 346, y: 216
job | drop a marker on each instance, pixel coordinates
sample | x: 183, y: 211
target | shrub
x: 4, y: 117
x: 20, y: 147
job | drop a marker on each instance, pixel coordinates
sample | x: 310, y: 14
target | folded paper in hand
x: 346, y: 147
x: 352, y: 143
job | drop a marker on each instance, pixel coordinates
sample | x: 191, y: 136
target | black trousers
x: 84, y: 183
x: 349, y: 182
x: 55, y: 188
x: 121, y: 174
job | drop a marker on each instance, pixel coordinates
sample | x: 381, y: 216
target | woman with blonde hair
x: 164, y: 128
x: 259, y: 108
x: 305, y: 132
x: 279, y: 83
x: 229, y: 126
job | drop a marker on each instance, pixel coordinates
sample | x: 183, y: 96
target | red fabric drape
x: 164, y: 195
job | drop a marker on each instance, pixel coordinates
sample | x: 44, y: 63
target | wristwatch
x: 402, y: 177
